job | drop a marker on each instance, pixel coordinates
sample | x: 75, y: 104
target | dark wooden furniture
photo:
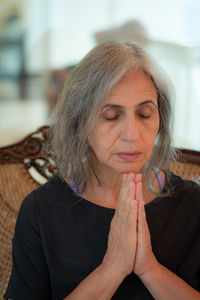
x: 23, y: 167
x: 188, y: 165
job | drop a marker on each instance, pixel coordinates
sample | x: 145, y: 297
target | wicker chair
x: 188, y: 165
x: 29, y: 163
x: 23, y: 167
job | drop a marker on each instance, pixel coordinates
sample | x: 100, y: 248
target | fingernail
x: 138, y: 177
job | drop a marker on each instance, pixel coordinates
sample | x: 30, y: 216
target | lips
x: 129, y: 155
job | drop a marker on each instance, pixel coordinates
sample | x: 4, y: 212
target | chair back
x: 188, y: 165
x: 23, y: 167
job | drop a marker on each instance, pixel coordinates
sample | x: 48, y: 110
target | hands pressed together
x: 129, y: 250
x: 129, y: 244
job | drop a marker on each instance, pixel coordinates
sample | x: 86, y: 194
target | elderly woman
x: 115, y: 223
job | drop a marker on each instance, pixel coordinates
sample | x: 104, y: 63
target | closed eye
x: 144, y: 116
x: 113, y: 118
x: 117, y: 117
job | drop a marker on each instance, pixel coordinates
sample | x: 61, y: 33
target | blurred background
x: 42, y: 40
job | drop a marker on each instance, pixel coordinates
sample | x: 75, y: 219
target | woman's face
x: 124, y: 135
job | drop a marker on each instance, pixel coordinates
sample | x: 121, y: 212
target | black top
x: 61, y: 238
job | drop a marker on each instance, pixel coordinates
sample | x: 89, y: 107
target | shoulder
x: 185, y: 193
x: 47, y: 197
x: 188, y: 187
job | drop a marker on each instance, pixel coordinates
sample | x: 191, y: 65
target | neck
x: 104, y: 190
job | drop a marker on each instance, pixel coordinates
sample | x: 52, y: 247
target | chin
x: 130, y: 169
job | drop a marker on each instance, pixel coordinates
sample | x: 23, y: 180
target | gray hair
x: 79, y: 106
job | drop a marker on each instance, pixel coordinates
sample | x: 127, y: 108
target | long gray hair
x: 79, y: 106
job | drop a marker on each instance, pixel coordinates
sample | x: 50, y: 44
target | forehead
x: 136, y: 85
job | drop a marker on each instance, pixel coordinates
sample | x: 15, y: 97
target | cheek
x: 154, y: 127
x: 149, y: 133
x: 104, y: 136
x: 97, y: 140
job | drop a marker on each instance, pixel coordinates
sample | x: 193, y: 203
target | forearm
x: 101, y: 284
x: 165, y: 285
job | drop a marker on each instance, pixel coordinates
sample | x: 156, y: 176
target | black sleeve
x: 29, y: 278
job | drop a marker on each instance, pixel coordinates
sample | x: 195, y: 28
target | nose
x: 130, y: 131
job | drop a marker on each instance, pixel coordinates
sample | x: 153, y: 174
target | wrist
x: 153, y: 272
x: 112, y: 272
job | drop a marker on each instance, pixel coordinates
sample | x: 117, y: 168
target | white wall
x: 67, y: 26
x: 61, y: 32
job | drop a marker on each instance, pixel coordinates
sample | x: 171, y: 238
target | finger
x: 125, y: 195
x: 131, y: 177
x: 143, y: 228
x: 138, y: 192
x: 133, y: 205
x: 138, y: 178
x: 140, y: 220
x: 142, y: 210
x: 132, y: 189
x: 123, y: 190
x: 133, y: 212
x: 132, y: 216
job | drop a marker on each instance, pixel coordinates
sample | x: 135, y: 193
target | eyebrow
x: 138, y: 105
